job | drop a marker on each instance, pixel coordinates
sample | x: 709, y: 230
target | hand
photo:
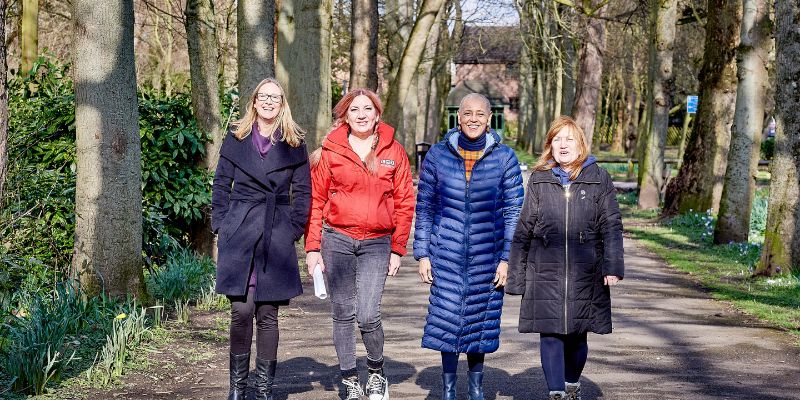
x: 611, y: 280
x: 425, y: 272
x: 394, y: 264
x: 501, y: 276
x: 312, y: 259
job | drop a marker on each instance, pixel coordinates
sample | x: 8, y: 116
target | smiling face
x: 362, y: 116
x: 565, y: 146
x: 473, y: 117
x: 268, y: 102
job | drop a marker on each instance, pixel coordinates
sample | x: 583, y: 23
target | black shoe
x: 475, y: 385
x: 352, y: 388
x: 449, y: 386
x: 239, y: 367
x: 265, y: 378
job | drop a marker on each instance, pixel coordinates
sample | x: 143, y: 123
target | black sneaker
x: 377, y: 387
x: 352, y: 388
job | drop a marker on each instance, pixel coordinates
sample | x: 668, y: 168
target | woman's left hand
x: 501, y: 276
x: 394, y: 264
x: 611, y: 280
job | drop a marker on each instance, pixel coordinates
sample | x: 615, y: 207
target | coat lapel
x: 243, y: 154
x: 282, y: 155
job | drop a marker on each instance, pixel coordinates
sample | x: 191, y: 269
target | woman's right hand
x: 312, y: 259
x: 425, y: 272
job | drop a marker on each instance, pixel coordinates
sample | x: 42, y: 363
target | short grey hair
x: 475, y: 96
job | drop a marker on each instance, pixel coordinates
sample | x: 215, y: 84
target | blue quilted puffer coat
x: 466, y: 229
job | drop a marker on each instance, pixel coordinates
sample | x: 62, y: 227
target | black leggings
x: 243, y: 309
x: 450, y: 362
x: 563, y: 358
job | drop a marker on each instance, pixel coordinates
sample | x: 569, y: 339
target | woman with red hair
x: 361, y: 211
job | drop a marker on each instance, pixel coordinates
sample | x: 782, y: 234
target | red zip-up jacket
x: 350, y: 199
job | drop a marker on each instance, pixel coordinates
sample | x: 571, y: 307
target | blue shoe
x: 449, y: 386
x: 475, y: 385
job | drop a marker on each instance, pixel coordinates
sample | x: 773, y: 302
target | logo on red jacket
x: 388, y: 163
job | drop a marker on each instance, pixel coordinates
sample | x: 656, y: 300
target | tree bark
x: 29, y: 34
x: 698, y: 185
x: 570, y: 62
x: 664, y: 17
x: 201, y: 40
x: 781, y: 251
x: 304, y: 63
x: 733, y: 221
x: 398, y: 88
x: 364, y: 44
x: 590, y: 70
x: 255, y: 41
x: 108, y: 197
x: 3, y: 102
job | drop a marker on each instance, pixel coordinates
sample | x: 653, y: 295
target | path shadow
x: 298, y: 375
x: 527, y: 385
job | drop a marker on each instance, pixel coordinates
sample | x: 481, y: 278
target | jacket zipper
x: 566, y: 258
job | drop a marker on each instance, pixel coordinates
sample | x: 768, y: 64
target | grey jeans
x: 355, y: 271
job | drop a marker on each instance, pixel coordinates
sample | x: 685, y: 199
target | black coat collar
x: 590, y: 174
x: 243, y: 154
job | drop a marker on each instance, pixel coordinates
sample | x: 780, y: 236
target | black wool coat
x: 259, y: 208
x: 566, y: 241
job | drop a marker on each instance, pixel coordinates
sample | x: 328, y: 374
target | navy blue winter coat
x: 259, y: 208
x: 465, y: 229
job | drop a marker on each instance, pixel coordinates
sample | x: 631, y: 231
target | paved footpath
x: 670, y: 341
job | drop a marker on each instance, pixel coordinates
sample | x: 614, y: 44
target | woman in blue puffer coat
x: 469, y: 200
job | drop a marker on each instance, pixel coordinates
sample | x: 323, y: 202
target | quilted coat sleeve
x: 512, y: 200
x: 426, y: 201
x: 320, y: 182
x: 520, y: 245
x: 301, y: 196
x: 403, y: 194
x: 610, y: 223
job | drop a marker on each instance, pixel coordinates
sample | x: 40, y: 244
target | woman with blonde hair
x: 261, y: 162
x: 361, y: 211
x: 566, y: 253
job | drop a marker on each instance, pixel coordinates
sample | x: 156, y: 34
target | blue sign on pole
x: 691, y: 104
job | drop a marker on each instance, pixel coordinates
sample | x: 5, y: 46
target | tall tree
x: 3, y: 101
x: 733, y: 221
x: 590, y: 66
x: 30, y: 34
x: 412, y: 54
x: 108, y: 196
x: 201, y: 40
x: 663, y: 17
x: 255, y: 40
x: 364, y: 44
x: 781, y: 251
x: 304, y: 63
x: 698, y: 185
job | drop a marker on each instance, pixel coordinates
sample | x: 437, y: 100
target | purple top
x: 261, y: 143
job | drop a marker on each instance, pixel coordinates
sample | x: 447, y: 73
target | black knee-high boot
x: 265, y: 378
x: 239, y: 368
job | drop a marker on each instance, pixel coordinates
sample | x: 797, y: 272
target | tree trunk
x: 427, y: 93
x: 29, y: 34
x: 364, y: 44
x: 590, y: 71
x: 664, y: 17
x: 255, y: 41
x: 108, y: 196
x: 622, y: 119
x: 781, y: 251
x: 201, y: 41
x: 733, y: 221
x: 3, y: 102
x: 698, y: 185
x: 398, y: 87
x: 304, y: 63
x: 541, y: 111
x: 570, y: 62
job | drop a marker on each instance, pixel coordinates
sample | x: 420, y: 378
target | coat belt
x: 269, y: 200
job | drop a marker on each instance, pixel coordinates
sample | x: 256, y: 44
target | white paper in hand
x: 319, y: 283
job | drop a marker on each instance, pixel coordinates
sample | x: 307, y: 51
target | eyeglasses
x: 275, y: 98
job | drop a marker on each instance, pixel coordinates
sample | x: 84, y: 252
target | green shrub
x: 37, y: 219
x: 768, y: 148
x: 758, y: 216
x: 182, y: 277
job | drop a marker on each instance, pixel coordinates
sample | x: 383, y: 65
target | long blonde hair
x: 291, y: 133
x: 547, y: 161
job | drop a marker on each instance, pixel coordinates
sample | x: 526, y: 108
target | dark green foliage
x: 37, y: 213
x: 768, y: 148
x: 182, y: 277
